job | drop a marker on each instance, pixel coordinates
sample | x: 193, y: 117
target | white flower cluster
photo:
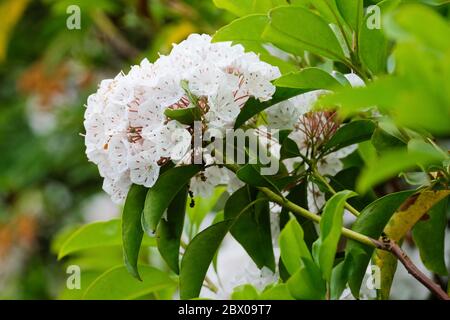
x: 309, y: 128
x: 127, y: 133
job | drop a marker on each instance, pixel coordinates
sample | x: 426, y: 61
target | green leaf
x: 429, y: 236
x: 373, y: 44
x: 351, y: 133
x: 339, y: 278
x: 402, y: 25
x: 163, y: 192
x: 245, y: 292
x: 244, y: 7
x: 307, y: 283
x: 132, y: 232
x: 96, y: 235
x: 371, y: 222
x: 245, y: 29
x: 204, y: 206
x: 352, y: 11
x: 395, y: 161
x: 85, y: 280
x: 324, y: 249
x: 251, y: 175
x: 289, y: 149
x: 293, y: 247
x: 396, y: 229
x: 298, y: 195
x: 169, y: 231
x: 277, y: 292
x: 383, y: 141
x: 251, y: 227
x: 117, y: 284
x: 198, y: 256
x: 253, y: 107
x: 308, y: 79
x: 186, y: 115
x: 303, y: 29
x: 326, y: 8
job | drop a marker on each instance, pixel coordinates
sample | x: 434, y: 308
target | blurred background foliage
x: 46, y: 73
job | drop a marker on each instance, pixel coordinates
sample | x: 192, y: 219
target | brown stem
x: 396, y: 250
x: 386, y: 243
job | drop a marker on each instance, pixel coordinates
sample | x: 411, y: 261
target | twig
x: 386, y: 244
x: 391, y: 246
x: 347, y: 205
x: 210, y: 285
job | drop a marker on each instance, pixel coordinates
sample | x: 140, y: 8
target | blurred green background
x: 47, y: 71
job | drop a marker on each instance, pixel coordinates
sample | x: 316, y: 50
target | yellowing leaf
x: 399, y: 224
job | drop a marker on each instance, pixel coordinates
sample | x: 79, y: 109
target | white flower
x: 144, y: 169
x: 236, y: 268
x: 311, y: 129
x: 127, y: 132
x: 223, y: 109
x: 286, y: 114
x: 114, y: 135
x: 117, y: 188
x: 203, y: 183
x: 172, y: 140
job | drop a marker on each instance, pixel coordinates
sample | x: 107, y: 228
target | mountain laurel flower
x: 128, y: 135
x: 310, y: 130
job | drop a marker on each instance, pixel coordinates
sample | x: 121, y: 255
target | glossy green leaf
x: 298, y: 195
x: 308, y: 79
x: 163, y: 192
x: 117, y: 284
x: 245, y: 292
x: 307, y: 283
x: 169, y: 231
x: 251, y: 228
x: 251, y: 174
x: 253, y: 107
x: 339, y: 278
x: 351, y: 133
x: 393, y: 162
x: 247, y: 29
x: 384, y: 141
x: 373, y: 44
x: 132, y: 232
x: 87, y: 277
x: 352, y: 11
x: 371, y: 222
x: 327, y: 9
x: 276, y: 292
x: 293, y: 247
x: 303, y: 29
x: 204, y: 206
x: 244, y: 7
x: 96, y: 235
x: 289, y: 149
x: 186, y: 115
x: 429, y: 236
x: 198, y: 256
x: 324, y: 249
